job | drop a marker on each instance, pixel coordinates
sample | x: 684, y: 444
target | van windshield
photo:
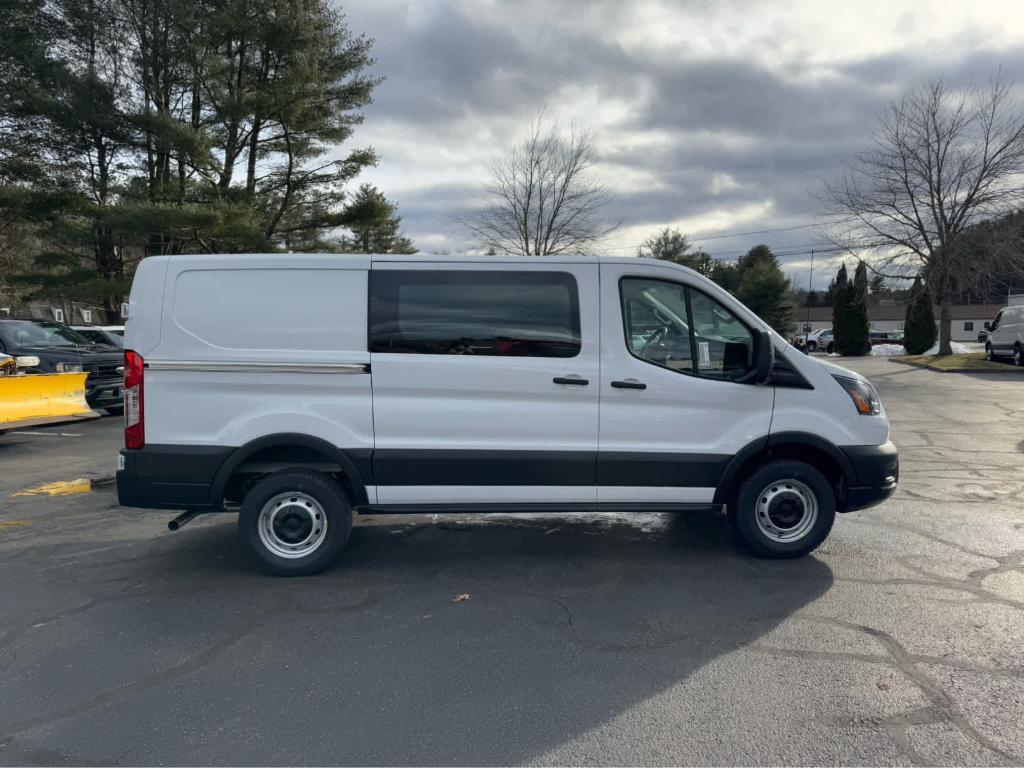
x: 40, y: 333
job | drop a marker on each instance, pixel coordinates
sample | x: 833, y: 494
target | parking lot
x: 619, y: 640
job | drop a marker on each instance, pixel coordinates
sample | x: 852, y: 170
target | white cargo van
x: 303, y: 389
x: 1005, y: 335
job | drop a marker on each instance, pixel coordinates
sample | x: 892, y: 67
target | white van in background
x: 1005, y: 335
x: 301, y: 389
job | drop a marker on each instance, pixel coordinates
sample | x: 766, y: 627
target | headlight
x: 69, y: 367
x: 864, y: 397
x: 27, y: 361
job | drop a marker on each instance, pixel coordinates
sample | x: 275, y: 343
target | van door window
x: 680, y: 328
x: 725, y: 346
x: 467, y: 312
x: 654, y: 312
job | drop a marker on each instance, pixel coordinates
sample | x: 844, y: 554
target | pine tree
x: 764, y: 289
x: 173, y: 126
x: 840, y: 289
x: 919, y: 330
x: 374, y: 223
x: 859, y: 339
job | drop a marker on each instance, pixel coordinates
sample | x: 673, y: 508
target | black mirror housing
x: 764, y: 352
x: 988, y: 326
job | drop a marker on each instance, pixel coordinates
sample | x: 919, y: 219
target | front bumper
x: 105, y: 393
x: 877, y: 471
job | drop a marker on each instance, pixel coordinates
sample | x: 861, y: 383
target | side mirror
x: 988, y: 326
x: 764, y: 352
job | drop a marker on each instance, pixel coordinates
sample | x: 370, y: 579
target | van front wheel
x: 295, y: 522
x: 784, y: 509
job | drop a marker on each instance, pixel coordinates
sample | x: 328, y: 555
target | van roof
x: 264, y: 258
x: 305, y: 260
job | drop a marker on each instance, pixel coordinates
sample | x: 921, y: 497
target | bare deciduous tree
x: 942, y: 161
x: 540, y: 200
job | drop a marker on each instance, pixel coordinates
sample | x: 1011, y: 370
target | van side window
x: 725, y: 346
x: 469, y: 312
x: 677, y: 327
x: 654, y: 313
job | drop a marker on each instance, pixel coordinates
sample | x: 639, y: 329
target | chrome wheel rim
x: 292, y: 525
x: 786, y: 511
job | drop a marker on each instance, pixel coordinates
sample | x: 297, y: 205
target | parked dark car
x: 62, y: 350
x: 101, y: 335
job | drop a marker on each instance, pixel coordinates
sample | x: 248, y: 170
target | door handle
x: 629, y: 384
x: 579, y: 382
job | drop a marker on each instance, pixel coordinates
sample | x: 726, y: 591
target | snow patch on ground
x: 887, y: 350
x: 646, y: 522
x: 955, y: 348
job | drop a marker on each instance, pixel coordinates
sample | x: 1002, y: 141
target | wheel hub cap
x: 786, y: 511
x: 292, y: 525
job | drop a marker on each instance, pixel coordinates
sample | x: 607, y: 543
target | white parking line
x: 48, y: 434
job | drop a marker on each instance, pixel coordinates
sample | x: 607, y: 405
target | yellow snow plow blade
x: 37, y: 399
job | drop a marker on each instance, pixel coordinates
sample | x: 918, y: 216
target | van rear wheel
x: 784, y: 509
x: 295, y: 522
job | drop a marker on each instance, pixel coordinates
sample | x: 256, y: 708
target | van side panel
x: 251, y: 350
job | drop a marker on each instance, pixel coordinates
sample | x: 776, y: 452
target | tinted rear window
x: 462, y: 312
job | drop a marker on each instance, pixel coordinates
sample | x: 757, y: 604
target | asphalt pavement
x: 583, y: 640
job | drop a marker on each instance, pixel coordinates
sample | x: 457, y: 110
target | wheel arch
x: 820, y: 453
x: 287, y: 450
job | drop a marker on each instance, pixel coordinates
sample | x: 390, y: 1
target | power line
x: 741, y: 234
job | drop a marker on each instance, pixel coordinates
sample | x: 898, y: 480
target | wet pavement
x: 597, y: 640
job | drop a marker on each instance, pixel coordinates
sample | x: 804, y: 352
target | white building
x: 968, y: 319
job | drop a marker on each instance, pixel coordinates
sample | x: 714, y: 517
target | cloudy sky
x: 716, y: 117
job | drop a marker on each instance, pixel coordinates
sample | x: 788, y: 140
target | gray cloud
x: 730, y: 131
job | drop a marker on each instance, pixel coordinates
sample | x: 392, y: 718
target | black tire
x: 1018, y: 355
x: 811, y: 346
x: 784, y: 477
x: 831, y: 347
x: 115, y: 410
x: 297, y: 492
x: 989, y: 354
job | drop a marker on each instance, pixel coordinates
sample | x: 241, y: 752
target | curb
x: 927, y: 367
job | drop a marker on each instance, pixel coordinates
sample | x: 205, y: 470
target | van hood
x: 838, y: 370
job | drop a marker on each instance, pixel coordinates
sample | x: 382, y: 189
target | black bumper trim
x: 170, y: 476
x: 877, y: 470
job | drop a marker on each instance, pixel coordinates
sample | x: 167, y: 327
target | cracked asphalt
x: 588, y: 640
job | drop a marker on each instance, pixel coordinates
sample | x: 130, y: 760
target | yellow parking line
x: 59, y: 488
x: 7, y: 524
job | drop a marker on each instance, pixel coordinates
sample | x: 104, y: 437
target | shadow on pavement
x: 184, y: 654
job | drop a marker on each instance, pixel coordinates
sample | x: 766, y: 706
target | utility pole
x: 807, y: 301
